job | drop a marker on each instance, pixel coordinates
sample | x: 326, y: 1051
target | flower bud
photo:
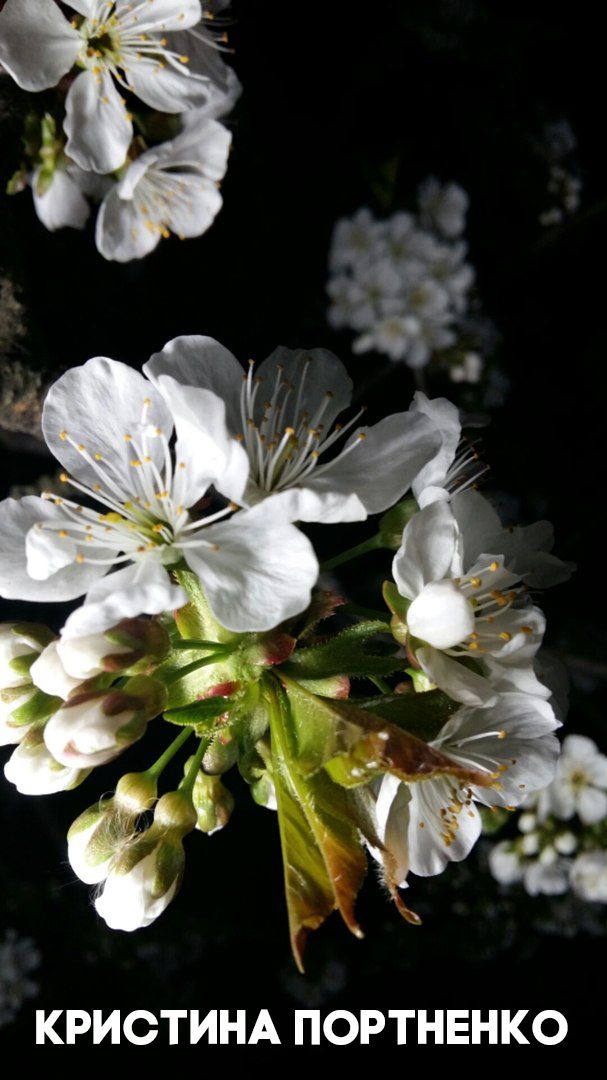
x: 34, y: 771
x: 213, y: 802
x: 49, y: 674
x: 95, y: 726
x: 101, y: 831
x: 20, y: 644
x: 145, y: 876
x: 134, y: 645
x: 221, y: 754
x: 264, y: 792
x: 392, y: 524
x: 11, y: 730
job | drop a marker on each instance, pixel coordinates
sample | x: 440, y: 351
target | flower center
x: 143, y: 512
x: 283, y: 454
x: 441, y: 615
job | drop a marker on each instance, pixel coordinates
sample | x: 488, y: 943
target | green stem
x: 187, y: 784
x: 187, y: 669
x: 211, y: 646
x: 381, y: 684
x: 159, y: 766
x: 371, y: 544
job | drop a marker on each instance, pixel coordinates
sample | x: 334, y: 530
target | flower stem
x: 371, y: 544
x: 187, y: 669
x: 212, y: 646
x: 187, y: 784
x: 159, y: 766
x: 381, y: 684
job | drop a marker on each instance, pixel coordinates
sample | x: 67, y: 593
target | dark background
x: 346, y: 106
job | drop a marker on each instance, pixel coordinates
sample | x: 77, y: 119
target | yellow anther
x: 476, y: 582
x: 63, y: 534
x: 64, y: 478
x: 135, y: 463
x: 527, y: 629
x: 494, y: 566
x: 112, y: 517
x: 127, y: 437
x: 63, y: 435
x: 158, y: 527
x: 501, y: 734
x: 505, y: 636
x: 79, y: 558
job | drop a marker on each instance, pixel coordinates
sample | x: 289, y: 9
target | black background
x: 332, y: 94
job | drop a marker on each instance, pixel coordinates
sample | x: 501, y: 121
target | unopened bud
x: 134, y: 645
x: 268, y: 650
x: 101, y: 831
x: 392, y: 524
x: 96, y: 726
x: 20, y: 644
x: 49, y: 674
x: 221, y: 753
x: 213, y: 802
x: 174, y: 811
x: 264, y: 792
x: 34, y: 771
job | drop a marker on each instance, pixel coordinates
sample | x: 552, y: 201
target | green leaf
x: 355, y: 744
x: 355, y: 651
x: 422, y: 715
x: 199, y: 714
x: 323, y: 858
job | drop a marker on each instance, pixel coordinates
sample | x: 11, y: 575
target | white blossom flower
x: 546, y: 875
x: 443, y: 207
x: 35, y: 771
x: 120, y: 45
x: 466, y: 605
x: 431, y: 822
x: 170, y: 188
x: 284, y: 416
x: 580, y: 784
x: 113, y: 430
x: 589, y: 876
x: 403, y: 288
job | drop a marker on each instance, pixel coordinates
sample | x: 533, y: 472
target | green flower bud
x: 392, y: 524
x: 212, y: 801
x: 221, y: 753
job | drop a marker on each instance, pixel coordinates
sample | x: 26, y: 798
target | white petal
x: 430, y: 551
x: 49, y: 674
x: 202, y: 361
x: 120, y: 230
x: 320, y: 373
x: 37, y: 44
x: 262, y: 572
x: 307, y: 504
x: 204, y: 445
x: 591, y: 805
x: 98, y: 404
x: 196, y: 211
x: 429, y: 851
x: 455, y: 678
x: 143, y: 588
x: 579, y: 749
x: 34, y: 771
x: 381, y: 467
x: 392, y: 811
x: 164, y: 88
x: 17, y: 517
x: 445, y: 417
x: 478, y: 523
x: 441, y: 615
x: 96, y: 124
x: 62, y: 205
x: 505, y: 864
x: 159, y: 15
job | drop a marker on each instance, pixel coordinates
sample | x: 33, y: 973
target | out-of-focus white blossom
x: 19, y: 958
x: 402, y: 284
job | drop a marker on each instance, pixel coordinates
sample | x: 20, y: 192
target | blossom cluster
x: 140, y: 87
x: 562, y: 841
x: 403, y: 284
x: 182, y: 530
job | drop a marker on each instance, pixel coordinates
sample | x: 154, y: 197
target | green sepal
x: 200, y: 715
x: 37, y: 710
x: 169, y: 865
x: 399, y: 606
x: 392, y: 524
x: 353, y: 652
